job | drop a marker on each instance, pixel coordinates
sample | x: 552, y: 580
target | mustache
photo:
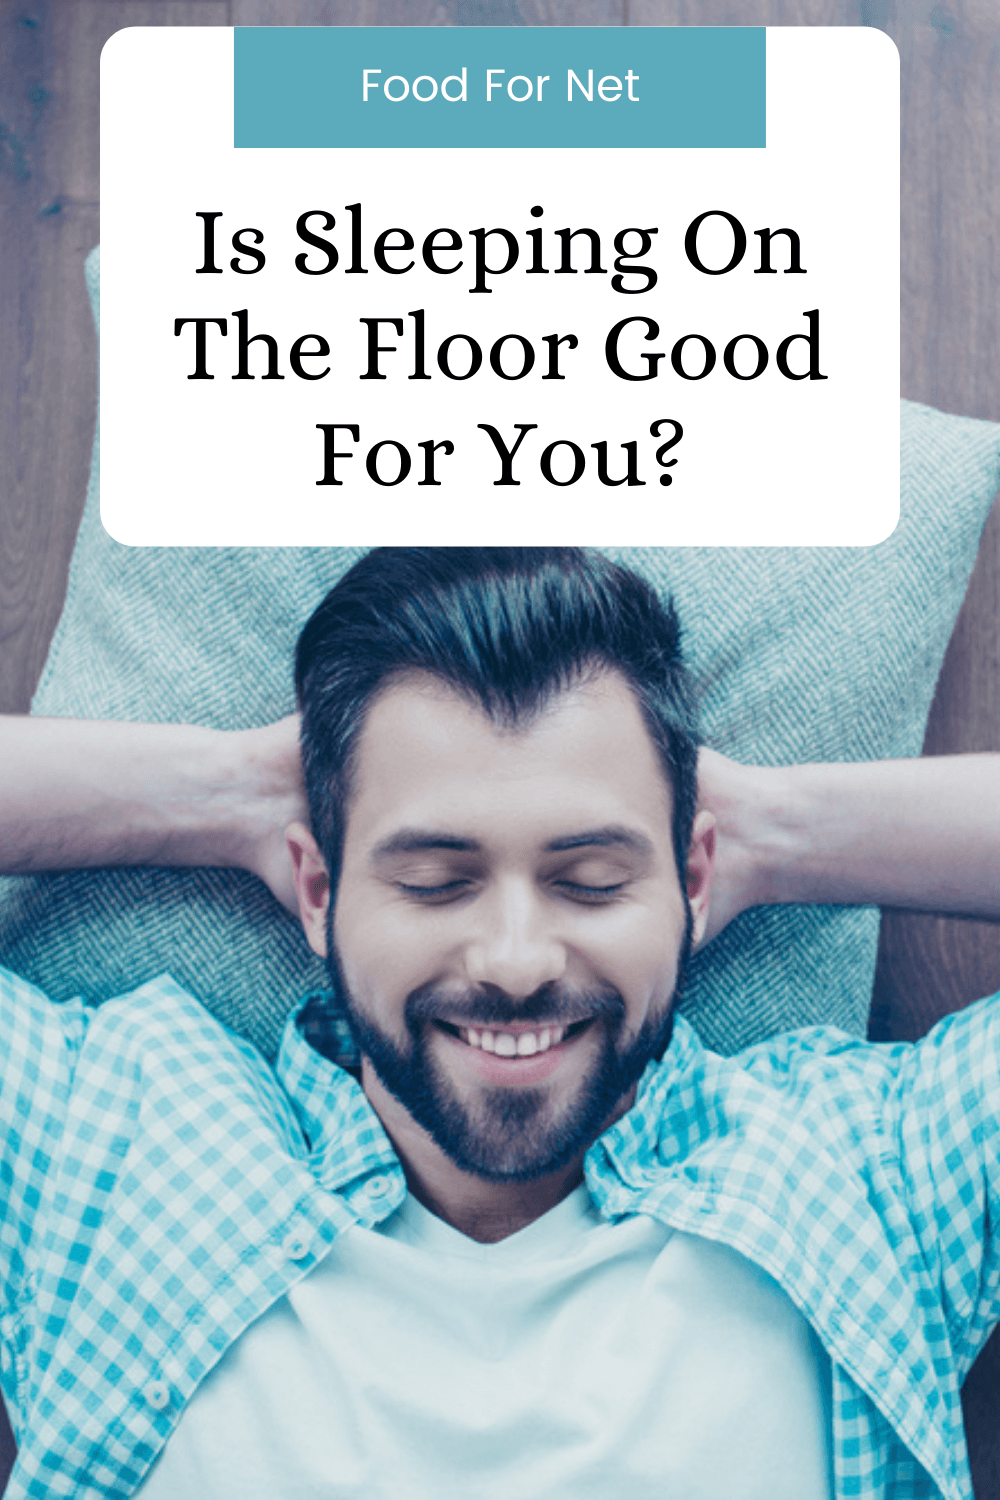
x: 488, y: 1005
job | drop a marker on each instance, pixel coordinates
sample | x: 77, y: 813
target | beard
x: 510, y: 1134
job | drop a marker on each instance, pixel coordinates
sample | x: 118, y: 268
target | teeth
x: 507, y: 1044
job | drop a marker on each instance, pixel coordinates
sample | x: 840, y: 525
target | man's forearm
x: 77, y: 794
x: 923, y: 834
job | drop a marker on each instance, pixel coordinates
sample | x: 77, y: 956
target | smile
x: 522, y: 1042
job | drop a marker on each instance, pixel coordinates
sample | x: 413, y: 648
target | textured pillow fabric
x: 798, y: 654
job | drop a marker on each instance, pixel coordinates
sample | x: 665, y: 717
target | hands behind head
x: 735, y: 795
x: 274, y: 778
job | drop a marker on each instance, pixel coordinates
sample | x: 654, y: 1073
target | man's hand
x: 730, y: 792
x: 276, y: 798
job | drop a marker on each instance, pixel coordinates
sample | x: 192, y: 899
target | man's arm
x: 923, y: 834
x: 942, y: 1121
x: 76, y: 794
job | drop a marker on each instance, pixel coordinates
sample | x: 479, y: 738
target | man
x: 531, y: 1239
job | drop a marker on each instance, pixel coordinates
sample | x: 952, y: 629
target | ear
x: 312, y: 884
x: 700, y: 866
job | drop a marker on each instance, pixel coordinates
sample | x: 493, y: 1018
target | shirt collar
x: 349, y: 1151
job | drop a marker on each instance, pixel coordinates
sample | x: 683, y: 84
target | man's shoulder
x: 134, y: 1078
x: 157, y: 1028
x: 816, y: 1052
x: 806, y: 1053
x: 704, y: 1113
x: 161, y: 1005
x: 823, y: 1081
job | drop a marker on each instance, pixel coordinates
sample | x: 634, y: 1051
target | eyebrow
x: 612, y: 836
x: 420, y: 840
x: 415, y: 840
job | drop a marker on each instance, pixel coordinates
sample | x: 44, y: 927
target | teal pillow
x: 797, y: 654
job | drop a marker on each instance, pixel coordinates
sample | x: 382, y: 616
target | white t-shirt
x: 576, y: 1359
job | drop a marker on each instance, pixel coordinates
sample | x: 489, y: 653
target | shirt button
x: 377, y: 1187
x: 295, y: 1246
x: 157, y: 1394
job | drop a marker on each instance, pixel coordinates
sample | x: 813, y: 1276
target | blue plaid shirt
x: 162, y: 1187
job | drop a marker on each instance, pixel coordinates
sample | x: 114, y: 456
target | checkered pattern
x: 163, y: 1187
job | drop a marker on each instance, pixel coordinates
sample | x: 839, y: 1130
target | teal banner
x: 399, y: 86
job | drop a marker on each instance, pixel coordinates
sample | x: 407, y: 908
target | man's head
x: 499, y: 755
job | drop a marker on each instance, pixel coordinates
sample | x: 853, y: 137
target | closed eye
x: 448, y: 890
x: 591, y: 893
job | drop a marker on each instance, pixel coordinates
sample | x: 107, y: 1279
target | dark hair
x: 508, y: 628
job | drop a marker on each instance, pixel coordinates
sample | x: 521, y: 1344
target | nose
x: 515, y: 945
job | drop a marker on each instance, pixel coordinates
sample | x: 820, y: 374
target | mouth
x: 514, y: 1041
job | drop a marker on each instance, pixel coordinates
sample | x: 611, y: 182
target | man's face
x: 509, y: 921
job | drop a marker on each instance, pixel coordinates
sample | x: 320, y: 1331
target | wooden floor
x: 49, y: 193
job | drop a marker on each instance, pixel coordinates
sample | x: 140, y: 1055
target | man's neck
x: 492, y: 1211
x: 477, y: 1207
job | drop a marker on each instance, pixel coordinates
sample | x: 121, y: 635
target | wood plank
x: 744, y: 13
x: 951, y: 204
x: 83, y: 28
x: 49, y: 54
x: 428, y: 12
x: 48, y: 378
x: 965, y: 715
